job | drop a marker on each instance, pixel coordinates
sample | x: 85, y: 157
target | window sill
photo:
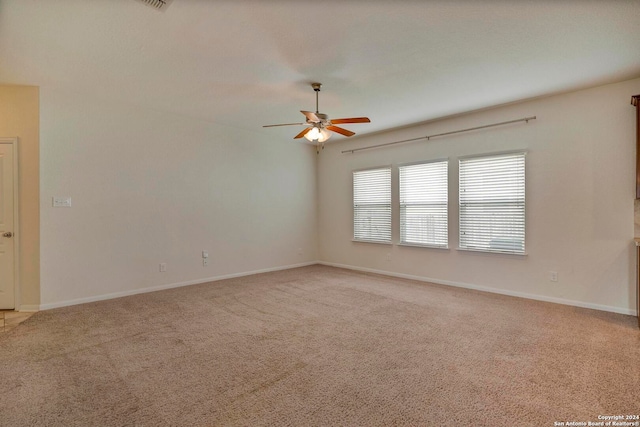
x: 483, y: 251
x: 377, y: 242
x: 417, y: 245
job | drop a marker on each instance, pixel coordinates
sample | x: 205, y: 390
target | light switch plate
x: 61, y: 202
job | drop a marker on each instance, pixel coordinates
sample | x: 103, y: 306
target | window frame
x: 523, y: 154
x: 401, y: 242
x: 389, y: 168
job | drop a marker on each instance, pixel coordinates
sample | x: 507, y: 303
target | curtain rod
x: 428, y: 137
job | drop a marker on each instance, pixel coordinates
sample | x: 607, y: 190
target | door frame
x: 16, y: 221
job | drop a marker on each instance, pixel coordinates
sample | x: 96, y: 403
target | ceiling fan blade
x: 303, y: 133
x: 351, y: 120
x: 284, y: 124
x: 341, y: 130
x: 311, y: 116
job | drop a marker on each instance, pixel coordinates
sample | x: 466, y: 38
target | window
x: 372, y: 205
x: 492, y: 208
x: 423, y: 204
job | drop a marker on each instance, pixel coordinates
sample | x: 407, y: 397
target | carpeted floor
x: 318, y: 346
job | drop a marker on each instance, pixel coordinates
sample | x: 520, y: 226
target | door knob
x: 8, y: 234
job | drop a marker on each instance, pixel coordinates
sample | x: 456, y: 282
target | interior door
x: 7, y: 273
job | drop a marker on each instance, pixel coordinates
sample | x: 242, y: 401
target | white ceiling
x: 249, y: 63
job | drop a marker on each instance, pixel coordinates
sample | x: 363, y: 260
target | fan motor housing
x: 323, y: 119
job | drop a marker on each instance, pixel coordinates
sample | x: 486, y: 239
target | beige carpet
x: 318, y: 346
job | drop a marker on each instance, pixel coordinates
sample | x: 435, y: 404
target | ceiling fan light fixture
x: 324, y: 135
x: 319, y: 126
x: 313, y: 134
x: 317, y: 134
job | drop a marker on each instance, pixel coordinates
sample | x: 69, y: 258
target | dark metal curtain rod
x: 428, y: 137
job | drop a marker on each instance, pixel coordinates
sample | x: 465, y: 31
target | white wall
x: 150, y: 187
x: 580, y: 199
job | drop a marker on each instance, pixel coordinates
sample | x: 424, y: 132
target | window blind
x: 372, y: 205
x: 492, y: 203
x: 423, y: 204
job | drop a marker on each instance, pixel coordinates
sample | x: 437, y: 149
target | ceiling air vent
x: 157, y: 4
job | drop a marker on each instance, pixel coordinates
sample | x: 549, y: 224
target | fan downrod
x: 316, y: 87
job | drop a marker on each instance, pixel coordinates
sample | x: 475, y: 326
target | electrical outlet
x: 205, y: 262
x: 163, y: 267
x: 553, y: 276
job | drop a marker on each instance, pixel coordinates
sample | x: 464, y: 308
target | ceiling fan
x: 319, y: 126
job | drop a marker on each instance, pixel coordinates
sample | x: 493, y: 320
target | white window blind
x: 423, y: 204
x: 372, y: 205
x: 492, y: 203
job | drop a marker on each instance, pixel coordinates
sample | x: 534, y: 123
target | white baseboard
x: 563, y: 301
x: 28, y: 308
x: 49, y: 306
